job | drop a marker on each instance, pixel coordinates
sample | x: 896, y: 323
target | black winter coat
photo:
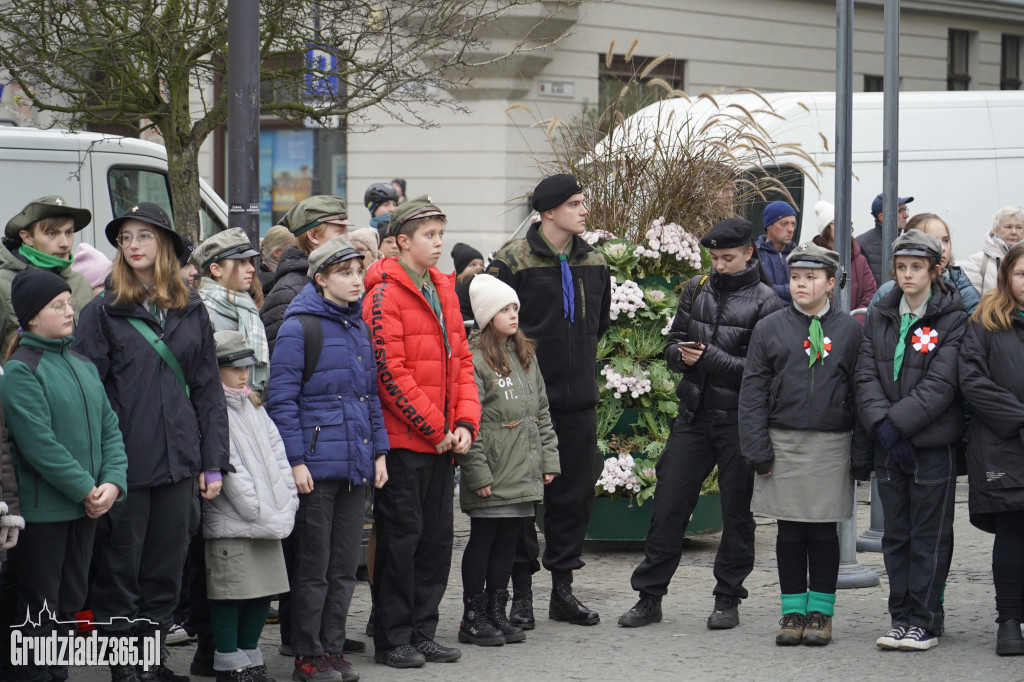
x: 566, y: 351
x: 871, y: 246
x: 289, y: 279
x: 167, y: 435
x: 780, y: 390
x: 722, y: 317
x: 925, y: 403
x: 991, y: 381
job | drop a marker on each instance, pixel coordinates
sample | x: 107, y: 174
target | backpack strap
x: 162, y: 350
x: 312, y: 344
x: 697, y: 289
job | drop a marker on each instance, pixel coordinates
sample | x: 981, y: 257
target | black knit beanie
x: 32, y: 289
x: 462, y: 254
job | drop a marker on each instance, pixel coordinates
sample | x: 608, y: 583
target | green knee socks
x: 821, y: 602
x: 794, y: 603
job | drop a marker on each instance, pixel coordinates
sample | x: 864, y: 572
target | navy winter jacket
x: 333, y: 424
x: 773, y: 262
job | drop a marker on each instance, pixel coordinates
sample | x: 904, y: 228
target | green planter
x: 616, y: 520
x: 625, y: 426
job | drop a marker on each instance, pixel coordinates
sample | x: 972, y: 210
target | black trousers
x: 569, y: 499
x: 691, y: 453
x: 139, y: 555
x: 413, y: 515
x: 807, y: 549
x: 53, y: 569
x: 917, y: 504
x: 1008, y: 565
x: 487, y: 559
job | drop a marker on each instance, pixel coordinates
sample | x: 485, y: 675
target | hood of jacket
x: 765, y: 244
x: 737, y: 280
x: 293, y: 259
x: 308, y: 302
x: 993, y: 246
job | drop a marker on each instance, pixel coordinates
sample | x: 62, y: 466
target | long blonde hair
x: 998, y: 306
x: 169, y: 293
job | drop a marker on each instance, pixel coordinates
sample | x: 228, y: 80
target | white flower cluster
x: 671, y: 239
x: 618, y: 474
x: 627, y: 298
x: 635, y: 385
x: 594, y: 236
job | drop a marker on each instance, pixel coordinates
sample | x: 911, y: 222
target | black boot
x: 521, y: 613
x: 496, y: 603
x: 1008, y: 640
x: 646, y: 611
x: 202, y: 660
x: 475, y: 627
x: 565, y: 606
x: 123, y: 673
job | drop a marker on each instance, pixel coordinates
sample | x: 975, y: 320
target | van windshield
x: 791, y: 177
x: 130, y: 186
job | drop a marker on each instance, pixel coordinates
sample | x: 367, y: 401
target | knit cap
x: 462, y: 255
x: 32, y: 290
x: 775, y: 211
x: 92, y: 264
x: 366, y: 236
x: 488, y: 295
x: 826, y: 214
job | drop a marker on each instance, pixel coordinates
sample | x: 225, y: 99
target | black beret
x: 728, y: 234
x: 553, y: 191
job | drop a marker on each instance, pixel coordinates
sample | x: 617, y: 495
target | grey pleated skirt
x: 811, y: 479
x: 243, y: 568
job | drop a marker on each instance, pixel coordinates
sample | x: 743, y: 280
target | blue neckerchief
x: 568, y: 298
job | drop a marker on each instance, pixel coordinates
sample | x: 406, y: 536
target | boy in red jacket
x: 431, y: 410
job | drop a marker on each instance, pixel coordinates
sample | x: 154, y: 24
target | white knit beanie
x: 488, y: 295
x: 826, y: 213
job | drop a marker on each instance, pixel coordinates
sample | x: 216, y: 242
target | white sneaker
x: 178, y: 635
x: 891, y: 639
x: 918, y: 639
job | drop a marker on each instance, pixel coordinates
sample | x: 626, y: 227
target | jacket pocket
x: 1002, y: 464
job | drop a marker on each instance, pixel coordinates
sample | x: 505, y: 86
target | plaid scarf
x: 238, y: 305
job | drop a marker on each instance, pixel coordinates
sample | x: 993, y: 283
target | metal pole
x: 244, y: 117
x: 871, y: 539
x: 851, y: 573
x: 890, y: 128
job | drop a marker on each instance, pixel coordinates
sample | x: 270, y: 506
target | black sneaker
x: 726, y: 614
x: 353, y: 646
x: 644, y: 612
x: 1008, y: 639
x: 161, y: 673
x: 435, y: 653
x: 891, y: 639
x: 405, y: 656
x: 918, y: 639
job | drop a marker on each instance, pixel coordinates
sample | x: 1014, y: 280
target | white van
x: 961, y: 154
x: 103, y: 173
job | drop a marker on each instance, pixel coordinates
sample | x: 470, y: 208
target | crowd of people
x: 191, y: 431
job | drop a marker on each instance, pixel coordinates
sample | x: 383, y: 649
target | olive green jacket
x: 10, y: 265
x: 516, y: 444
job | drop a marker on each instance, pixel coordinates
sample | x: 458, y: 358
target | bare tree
x: 135, y: 62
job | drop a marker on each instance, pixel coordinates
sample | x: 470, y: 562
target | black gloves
x: 887, y: 434
x: 902, y: 451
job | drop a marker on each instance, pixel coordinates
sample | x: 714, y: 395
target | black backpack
x: 313, y: 343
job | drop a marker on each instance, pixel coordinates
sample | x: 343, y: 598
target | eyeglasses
x: 59, y: 306
x: 143, y: 239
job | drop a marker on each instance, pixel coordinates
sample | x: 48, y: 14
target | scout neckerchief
x: 817, y: 344
x: 907, y: 318
x: 426, y: 287
x: 568, y: 296
x: 42, y: 260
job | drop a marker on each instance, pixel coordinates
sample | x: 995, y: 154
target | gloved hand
x: 861, y: 473
x: 1021, y: 435
x: 887, y: 434
x: 902, y: 451
x: 8, y: 537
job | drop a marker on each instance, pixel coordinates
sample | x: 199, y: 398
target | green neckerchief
x: 906, y: 319
x: 815, y: 334
x: 426, y: 287
x: 43, y: 260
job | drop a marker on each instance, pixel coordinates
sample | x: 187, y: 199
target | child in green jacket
x: 68, y: 453
x: 507, y: 467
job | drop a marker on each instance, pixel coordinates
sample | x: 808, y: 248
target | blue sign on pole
x: 321, y: 78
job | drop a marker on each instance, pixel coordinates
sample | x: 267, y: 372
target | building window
x: 874, y: 83
x: 958, y: 75
x: 621, y: 72
x: 1009, y: 72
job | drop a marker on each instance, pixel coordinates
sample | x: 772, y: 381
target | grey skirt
x: 811, y: 479
x: 515, y: 510
x: 243, y: 568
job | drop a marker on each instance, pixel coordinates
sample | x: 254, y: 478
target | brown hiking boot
x: 818, y: 631
x: 791, y: 629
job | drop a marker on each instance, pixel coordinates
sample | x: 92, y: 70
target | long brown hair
x: 170, y: 291
x: 255, y: 287
x: 494, y: 352
x: 998, y: 307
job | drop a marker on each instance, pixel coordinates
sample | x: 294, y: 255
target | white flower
x: 627, y: 298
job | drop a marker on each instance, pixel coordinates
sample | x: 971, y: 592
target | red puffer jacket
x: 425, y: 390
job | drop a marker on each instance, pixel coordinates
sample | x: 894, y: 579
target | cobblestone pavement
x: 681, y: 647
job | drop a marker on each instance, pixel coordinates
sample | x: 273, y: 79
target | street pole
x: 244, y: 117
x: 851, y: 573
x: 871, y: 539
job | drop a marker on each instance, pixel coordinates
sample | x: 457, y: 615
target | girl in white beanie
x: 512, y: 458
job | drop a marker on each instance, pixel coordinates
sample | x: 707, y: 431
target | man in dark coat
x: 708, y: 345
x: 871, y: 241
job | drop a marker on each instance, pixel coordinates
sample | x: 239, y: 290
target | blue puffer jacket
x: 773, y: 262
x: 333, y: 424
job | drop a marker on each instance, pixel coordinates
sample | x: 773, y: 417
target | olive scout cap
x: 147, y: 212
x: 309, y: 213
x: 45, y: 207
x: 728, y: 234
x: 917, y: 243
x: 420, y: 207
x: 553, y: 191
x: 232, y: 351
x: 232, y: 244
x: 810, y: 255
x: 333, y: 251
